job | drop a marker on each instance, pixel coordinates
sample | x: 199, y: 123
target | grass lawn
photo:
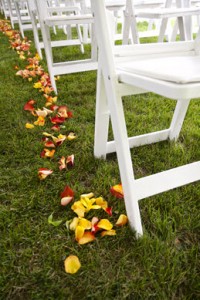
x: 164, y: 264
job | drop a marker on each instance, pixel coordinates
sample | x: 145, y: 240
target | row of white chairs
x: 171, y: 70
x: 47, y: 14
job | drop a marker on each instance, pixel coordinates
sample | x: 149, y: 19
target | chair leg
x: 101, y: 119
x: 49, y: 55
x: 36, y: 34
x: 94, y: 51
x: 123, y: 154
x: 178, y: 118
x: 78, y: 28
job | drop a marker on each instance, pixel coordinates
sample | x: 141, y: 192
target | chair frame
x: 112, y: 84
x: 66, y: 67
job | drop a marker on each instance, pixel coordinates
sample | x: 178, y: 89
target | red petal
x: 117, y: 191
x: 29, y: 105
x: 55, y: 128
x: 49, y: 144
x: 42, y: 154
x: 70, y: 161
x: 54, y: 107
x: 67, y: 192
x: 57, y: 120
x: 109, y: 210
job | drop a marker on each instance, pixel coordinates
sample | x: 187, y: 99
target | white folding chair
x: 24, y: 19
x: 46, y: 22
x: 171, y: 70
x: 182, y: 12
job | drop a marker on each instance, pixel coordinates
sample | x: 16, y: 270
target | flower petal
x: 66, y: 200
x: 70, y: 161
x: 67, y: 192
x: 105, y: 224
x: 79, y: 232
x: 71, y: 136
x: 29, y: 126
x: 86, y: 224
x: 108, y: 232
x: 72, y: 264
x: 117, y: 191
x: 43, y: 173
x: 40, y: 121
x: 122, y: 220
x: 62, y: 163
x: 86, y: 238
x: 57, y: 120
x: 74, y: 223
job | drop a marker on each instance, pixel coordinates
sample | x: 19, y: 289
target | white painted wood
x: 47, y: 20
x: 115, y: 73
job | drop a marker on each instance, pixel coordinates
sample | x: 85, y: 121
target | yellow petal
x: 86, y: 238
x: 86, y: 224
x: 79, y: 232
x: 74, y: 223
x: 72, y: 264
x: 122, y: 220
x: 89, y: 195
x: 101, y: 202
x: 29, y: 126
x: 105, y: 224
x: 78, y: 208
x: 108, y: 232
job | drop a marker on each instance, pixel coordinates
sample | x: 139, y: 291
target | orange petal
x: 72, y: 264
x: 117, y: 191
x: 86, y: 238
x: 122, y: 220
x: 105, y: 224
x: 108, y: 232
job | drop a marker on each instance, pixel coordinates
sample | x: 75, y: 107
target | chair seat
x: 167, y: 12
x: 184, y: 69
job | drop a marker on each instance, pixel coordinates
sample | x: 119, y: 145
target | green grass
x: 164, y: 264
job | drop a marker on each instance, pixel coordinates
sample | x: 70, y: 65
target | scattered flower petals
x: 62, y: 163
x: 43, y: 173
x: 70, y: 161
x: 57, y: 120
x: 29, y: 126
x: 86, y: 238
x: 71, y: 136
x: 29, y: 105
x: 72, y: 264
x: 104, y: 224
x: 74, y: 223
x: 122, y: 220
x: 55, y: 128
x: 67, y: 192
x: 40, y: 121
x: 47, y: 153
x: 108, y: 232
x: 117, y: 191
x: 49, y: 144
x: 66, y: 200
